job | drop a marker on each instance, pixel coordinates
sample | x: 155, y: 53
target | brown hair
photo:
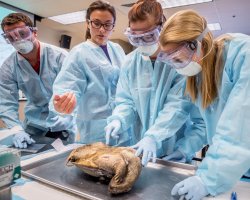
x: 144, y: 8
x: 187, y: 25
x: 98, y: 5
x: 14, y: 18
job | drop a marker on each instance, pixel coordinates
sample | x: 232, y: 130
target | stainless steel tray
x: 155, y: 181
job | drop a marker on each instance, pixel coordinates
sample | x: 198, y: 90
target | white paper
x: 58, y: 145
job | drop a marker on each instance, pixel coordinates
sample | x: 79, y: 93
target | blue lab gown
x: 227, y: 122
x: 17, y: 74
x: 151, y: 98
x: 89, y: 74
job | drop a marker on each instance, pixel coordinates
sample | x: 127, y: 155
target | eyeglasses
x: 97, y: 25
x: 144, y: 39
x: 181, y: 56
x: 18, y: 34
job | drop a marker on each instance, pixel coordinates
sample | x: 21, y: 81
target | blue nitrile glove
x: 192, y: 187
x: 176, y: 156
x: 147, y: 147
x: 22, y: 139
x: 59, y: 123
x: 112, y: 130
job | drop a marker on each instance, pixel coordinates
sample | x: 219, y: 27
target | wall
x: 2, y: 125
x: 22, y: 104
x: 127, y: 47
x: 50, y: 36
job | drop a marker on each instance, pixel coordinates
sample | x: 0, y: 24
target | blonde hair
x: 188, y: 25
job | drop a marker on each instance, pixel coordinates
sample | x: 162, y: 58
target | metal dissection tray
x: 155, y: 181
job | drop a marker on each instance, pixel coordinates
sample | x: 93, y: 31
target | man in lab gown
x: 32, y: 68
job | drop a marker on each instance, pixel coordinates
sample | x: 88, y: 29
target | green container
x: 10, y: 168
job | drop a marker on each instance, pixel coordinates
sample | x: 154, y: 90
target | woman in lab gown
x: 86, y: 85
x: 149, y: 92
x: 218, y: 82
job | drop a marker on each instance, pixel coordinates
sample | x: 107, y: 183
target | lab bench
x: 45, y: 176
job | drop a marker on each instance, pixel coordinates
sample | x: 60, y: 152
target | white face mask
x: 148, y: 50
x: 191, y: 69
x: 23, y: 46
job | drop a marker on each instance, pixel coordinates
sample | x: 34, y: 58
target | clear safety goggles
x: 18, y: 34
x: 144, y: 39
x: 181, y: 56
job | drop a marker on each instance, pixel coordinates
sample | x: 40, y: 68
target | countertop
x: 27, y: 189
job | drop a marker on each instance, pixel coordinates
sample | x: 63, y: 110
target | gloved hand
x: 22, y: 139
x: 147, y: 147
x: 112, y: 130
x: 192, y: 187
x: 59, y: 123
x: 176, y: 156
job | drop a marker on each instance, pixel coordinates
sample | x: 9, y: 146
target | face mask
x: 23, y: 46
x: 148, y: 50
x: 191, y: 69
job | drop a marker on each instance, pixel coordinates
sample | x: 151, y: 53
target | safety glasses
x: 97, y: 25
x: 181, y: 56
x: 144, y: 39
x: 18, y: 34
